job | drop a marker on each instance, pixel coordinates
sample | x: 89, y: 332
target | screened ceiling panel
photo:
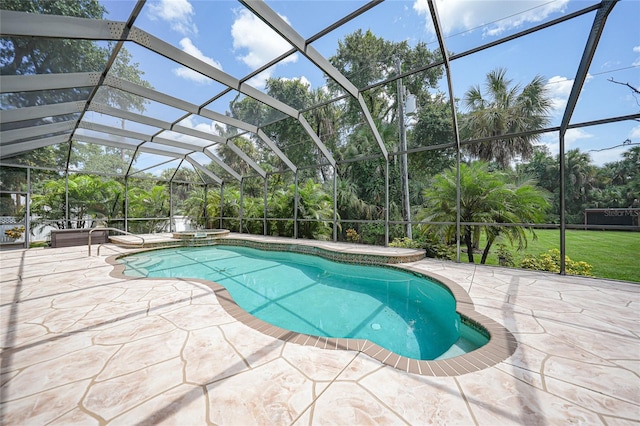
x: 54, y: 156
x: 468, y: 25
x: 88, y: 135
x: 296, y: 13
x: 189, y: 79
x: 170, y: 150
x: 33, y: 98
x: 523, y: 60
x: 25, y: 124
x: 161, y: 111
x: 193, y: 86
x: 181, y: 140
x: 147, y: 164
x: 52, y: 54
x: 97, y: 119
x: 614, y: 68
x: 113, y: 160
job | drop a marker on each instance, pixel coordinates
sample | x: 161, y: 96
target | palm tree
x: 504, y: 109
x: 90, y: 197
x: 579, y: 183
x: 485, y: 197
x: 315, y: 204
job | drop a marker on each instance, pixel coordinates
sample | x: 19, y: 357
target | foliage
x: 436, y: 249
x: 288, y: 134
x: 433, y: 127
x: 100, y: 159
x: 502, y: 110
x: 485, y: 197
x: 405, y: 242
x: 353, y: 236
x: 315, y: 203
x: 550, y: 261
x: 365, y: 59
x: 504, y: 255
x: 15, y: 232
x: 89, y: 198
x: 614, y: 185
x: 150, y: 204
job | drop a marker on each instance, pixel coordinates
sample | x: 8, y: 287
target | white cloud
x: 558, y: 89
x: 635, y: 133
x: 302, y: 80
x: 259, y: 44
x: 574, y: 135
x: 495, y: 17
x: 177, y: 12
x: 636, y: 49
x: 207, y: 127
x: 570, y: 138
x: 189, y: 74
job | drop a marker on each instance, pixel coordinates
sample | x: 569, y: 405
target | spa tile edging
x: 501, y: 345
x: 307, y: 248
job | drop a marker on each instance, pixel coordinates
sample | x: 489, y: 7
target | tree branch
x: 635, y: 91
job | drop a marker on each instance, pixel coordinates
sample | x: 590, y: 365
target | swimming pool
x: 407, y: 314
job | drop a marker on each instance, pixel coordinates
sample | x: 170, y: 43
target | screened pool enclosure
x: 454, y: 126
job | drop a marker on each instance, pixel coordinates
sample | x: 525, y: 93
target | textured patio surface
x: 82, y: 347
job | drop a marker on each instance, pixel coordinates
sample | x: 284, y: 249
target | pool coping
x: 501, y: 345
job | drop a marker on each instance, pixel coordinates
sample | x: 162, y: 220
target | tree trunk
x: 485, y: 253
x: 469, y: 242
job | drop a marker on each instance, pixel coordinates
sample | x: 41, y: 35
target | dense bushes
x: 550, y: 261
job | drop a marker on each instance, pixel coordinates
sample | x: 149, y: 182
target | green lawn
x: 613, y: 254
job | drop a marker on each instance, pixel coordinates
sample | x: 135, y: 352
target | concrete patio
x: 82, y: 347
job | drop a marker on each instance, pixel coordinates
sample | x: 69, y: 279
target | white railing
x: 111, y: 229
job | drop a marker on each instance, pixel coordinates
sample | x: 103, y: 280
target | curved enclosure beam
x: 171, y: 101
x: 456, y: 134
x: 53, y: 26
x: 279, y: 25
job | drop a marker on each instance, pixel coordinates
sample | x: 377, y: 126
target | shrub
x: 15, y: 232
x: 505, y: 257
x: 433, y: 247
x: 352, y: 235
x: 438, y: 250
x: 405, y: 242
x: 550, y: 261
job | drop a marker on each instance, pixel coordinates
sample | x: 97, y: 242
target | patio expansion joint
x: 466, y: 401
x: 311, y: 405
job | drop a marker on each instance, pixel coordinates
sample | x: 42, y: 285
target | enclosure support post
x: 335, y: 203
x: 264, y: 219
x: 386, y: 202
x: 221, y: 204
x: 241, y: 201
x: 126, y: 203
x: 27, y: 211
x: 563, y: 216
x: 295, y: 206
x: 205, y: 213
x: 581, y: 76
x: 404, y: 169
x: 171, y: 224
x: 66, y: 198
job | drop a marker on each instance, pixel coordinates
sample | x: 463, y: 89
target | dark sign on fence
x: 621, y: 217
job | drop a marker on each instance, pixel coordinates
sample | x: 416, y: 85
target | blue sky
x: 227, y: 36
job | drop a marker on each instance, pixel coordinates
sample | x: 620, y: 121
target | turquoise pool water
x: 404, y: 313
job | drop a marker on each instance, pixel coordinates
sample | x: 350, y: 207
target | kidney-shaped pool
x: 407, y: 314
